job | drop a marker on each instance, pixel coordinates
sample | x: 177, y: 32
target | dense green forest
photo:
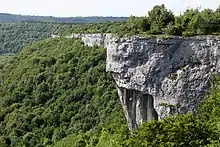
x: 5, y: 58
x: 55, y: 88
x: 15, y: 36
x: 159, y: 21
x: 5, y: 17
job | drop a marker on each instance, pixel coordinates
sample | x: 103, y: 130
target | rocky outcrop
x: 157, y: 77
x: 91, y: 39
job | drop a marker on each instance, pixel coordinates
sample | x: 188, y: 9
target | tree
x: 182, y: 131
x: 159, y: 18
x: 208, y: 21
x: 195, y: 24
x: 217, y: 20
x: 174, y: 29
x: 145, y: 24
x: 187, y: 17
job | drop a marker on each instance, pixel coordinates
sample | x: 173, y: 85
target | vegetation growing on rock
x: 159, y: 21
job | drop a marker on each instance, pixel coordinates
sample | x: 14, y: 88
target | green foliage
x: 173, y: 29
x: 15, y: 36
x: 183, y: 130
x: 5, y: 58
x: 159, y: 18
x: 55, y: 88
x: 208, y: 24
x: 191, y: 130
x: 160, y: 21
x: 209, y: 109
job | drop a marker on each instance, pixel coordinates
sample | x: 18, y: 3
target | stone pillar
x: 138, y: 107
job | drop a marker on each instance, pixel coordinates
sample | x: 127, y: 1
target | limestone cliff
x: 156, y: 77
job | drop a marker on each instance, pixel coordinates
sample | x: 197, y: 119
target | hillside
x: 5, y: 17
x: 58, y: 88
x: 15, y: 36
x: 55, y: 88
x: 56, y: 91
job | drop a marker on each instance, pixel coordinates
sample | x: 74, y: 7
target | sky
x: 70, y: 8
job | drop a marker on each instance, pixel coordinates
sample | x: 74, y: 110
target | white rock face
x: 156, y: 77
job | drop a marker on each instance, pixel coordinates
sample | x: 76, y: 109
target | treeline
x: 191, y: 22
x: 159, y: 21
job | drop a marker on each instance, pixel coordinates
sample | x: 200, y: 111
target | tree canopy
x: 15, y: 36
x: 55, y: 88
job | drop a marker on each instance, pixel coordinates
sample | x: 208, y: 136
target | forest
x: 6, y: 17
x: 56, y: 92
x: 55, y: 88
x: 15, y: 36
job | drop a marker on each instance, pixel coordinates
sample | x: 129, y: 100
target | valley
x: 143, y: 81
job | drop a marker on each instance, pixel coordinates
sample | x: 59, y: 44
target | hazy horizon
x: 85, y: 8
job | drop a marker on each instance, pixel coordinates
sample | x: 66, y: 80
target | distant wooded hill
x: 5, y: 17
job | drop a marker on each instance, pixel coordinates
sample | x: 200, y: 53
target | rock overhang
x: 175, y: 71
